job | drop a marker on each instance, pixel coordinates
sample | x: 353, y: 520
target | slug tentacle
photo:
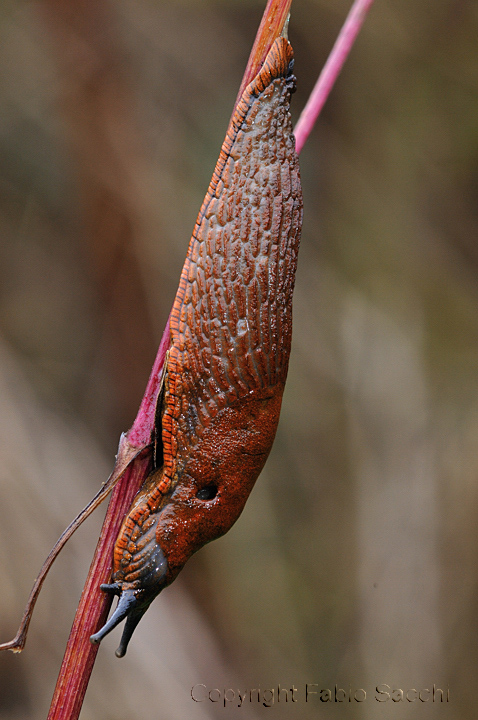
x: 231, y: 326
x: 126, y: 605
x: 132, y: 620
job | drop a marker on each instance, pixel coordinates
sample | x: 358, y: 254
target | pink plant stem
x: 140, y: 432
x: 331, y: 70
x: 94, y: 605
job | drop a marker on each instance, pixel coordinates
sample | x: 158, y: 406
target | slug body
x: 231, y: 326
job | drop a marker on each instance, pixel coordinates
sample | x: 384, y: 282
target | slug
x: 230, y: 328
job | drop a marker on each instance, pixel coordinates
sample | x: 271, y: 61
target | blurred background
x: 354, y: 562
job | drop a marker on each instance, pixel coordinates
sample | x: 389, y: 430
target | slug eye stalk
x: 128, y: 607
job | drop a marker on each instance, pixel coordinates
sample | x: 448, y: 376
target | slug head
x: 134, y: 599
x: 209, y: 496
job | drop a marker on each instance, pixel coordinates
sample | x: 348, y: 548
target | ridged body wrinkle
x: 231, y: 327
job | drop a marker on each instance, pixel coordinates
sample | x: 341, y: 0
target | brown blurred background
x: 355, y: 560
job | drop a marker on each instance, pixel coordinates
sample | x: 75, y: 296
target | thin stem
x: 140, y: 433
x: 331, y: 70
x: 94, y: 605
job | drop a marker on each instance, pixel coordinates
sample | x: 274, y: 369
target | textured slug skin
x: 230, y: 340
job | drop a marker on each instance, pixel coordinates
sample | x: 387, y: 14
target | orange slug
x: 230, y: 328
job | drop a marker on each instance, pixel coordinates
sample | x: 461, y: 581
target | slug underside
x: 231, y: 326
